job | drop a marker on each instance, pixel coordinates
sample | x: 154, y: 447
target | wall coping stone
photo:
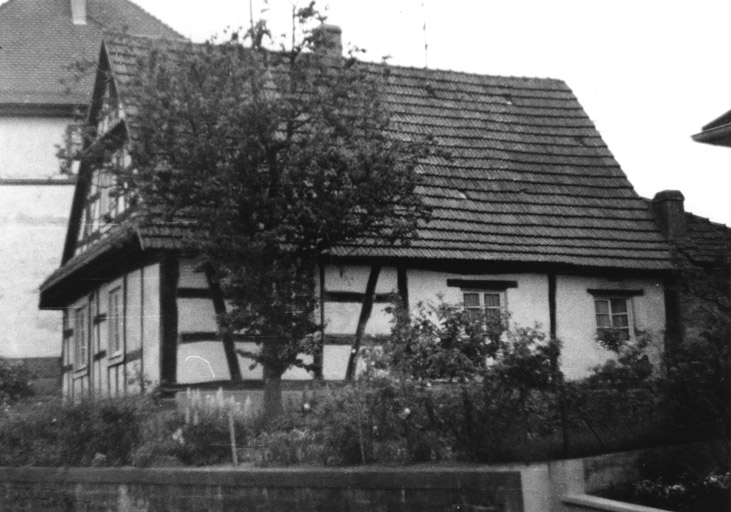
x: 586, y: 501
x: 367, y: 477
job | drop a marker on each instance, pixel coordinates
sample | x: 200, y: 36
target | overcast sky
x: 650, y: 73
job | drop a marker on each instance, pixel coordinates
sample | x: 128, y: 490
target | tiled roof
x: 40, y: 42
x: 717, y: 132
x: 117, y: 238
x: 528, y: 178
x: 707, y: 243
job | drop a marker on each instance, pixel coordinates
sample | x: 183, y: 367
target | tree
x: 271, y: 158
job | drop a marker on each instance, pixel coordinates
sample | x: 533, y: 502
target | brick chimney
x: 78, y: 12
x: 328, y: 40
x: 667, y: 206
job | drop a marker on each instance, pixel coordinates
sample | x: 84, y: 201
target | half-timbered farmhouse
x: 531, y: 215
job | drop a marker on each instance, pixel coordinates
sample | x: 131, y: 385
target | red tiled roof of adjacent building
x: 41, y: 45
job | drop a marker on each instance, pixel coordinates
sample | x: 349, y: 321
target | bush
x: 708, y: 493
x: 444, y: 387
x: 14, y: 382
x: 104, y: 432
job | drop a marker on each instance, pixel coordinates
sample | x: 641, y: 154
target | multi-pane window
x: 81, y: 338
x: 116, y: 322
x: 484, y: 306
x: 613, y: 314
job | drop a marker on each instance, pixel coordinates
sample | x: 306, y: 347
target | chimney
x: 667, y: 206
x: 78, y: 12
x: 328, y: 40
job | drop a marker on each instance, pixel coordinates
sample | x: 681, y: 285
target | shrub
x: 444, y: 386
x: 708, y: 493
x: 105, y: 432
x: 14, y: 382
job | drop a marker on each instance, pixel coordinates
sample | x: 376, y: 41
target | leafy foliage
x: 630, y: 369
x: 14, y: 382
x: 104, y: 433
x: 437, y: 343
x: 699, y: 370
x: 707, y: 493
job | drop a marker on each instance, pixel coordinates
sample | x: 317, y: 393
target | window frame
x: 626, y: 295
x: 116, y: 323
x: 81, y: 339
x: 482, y: 307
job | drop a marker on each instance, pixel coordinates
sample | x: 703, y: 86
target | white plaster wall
x: 151, y: 324
x: 80, y: 383
x: 342, y: 318
x: 335, y: 361
x: 33, y: 222
x: 191, y: 276
x: 133, y: 314
x: 196, y: 315
x: 576, y: 319
x: 527, y: 304
x: 201, y: 362
x: 28, y: 146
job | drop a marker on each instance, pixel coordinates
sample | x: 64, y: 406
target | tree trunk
x: 272, y: 393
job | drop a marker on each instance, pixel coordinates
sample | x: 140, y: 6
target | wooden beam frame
x: 169, y: 277
x: 219, y: 306
x: 365, y: 314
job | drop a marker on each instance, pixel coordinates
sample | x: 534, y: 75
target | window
x: 116, y: 322
x: 614, y: 314
x: 487, y: 307
x: 81, y: 339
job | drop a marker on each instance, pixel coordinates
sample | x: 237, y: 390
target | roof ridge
x: 700, y: 218
x: 400, y: 66
x: 471, y: 73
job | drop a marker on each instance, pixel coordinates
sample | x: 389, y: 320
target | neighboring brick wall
x: 220, y: 490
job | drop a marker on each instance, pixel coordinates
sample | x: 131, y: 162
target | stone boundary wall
x: 556, y: 486
x: 371, y: 489
x: 604, y: 471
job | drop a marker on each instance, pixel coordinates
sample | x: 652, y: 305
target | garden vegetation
x: 442, y: 387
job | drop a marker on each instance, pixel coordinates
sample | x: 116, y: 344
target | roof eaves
x: 719, y: 135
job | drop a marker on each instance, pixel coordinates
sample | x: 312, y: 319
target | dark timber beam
x: 402, y: 284
x: 365, y: 314
x: 319, y: 349
x: 169, y: 276
x: 219, y: 306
